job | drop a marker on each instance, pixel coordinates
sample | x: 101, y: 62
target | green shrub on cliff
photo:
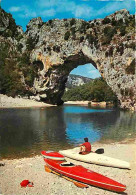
x: 30, y: 43
x: 125, y: 26
x: 91, y: 38
x: 106, y: 21
x: 111, y: 27
x: 72, y: 21
x: 109, y: 32
x: 11, y: 29
x: 28, y: 70
x: 131, y: 68
x: 67, y: 35
x: 73, y: 30
x: 83, y: 27
x: 130, y: 26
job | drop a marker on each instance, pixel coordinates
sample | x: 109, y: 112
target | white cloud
x: 59, y: 5
x: 101, y: 0
x: 83, y: 11
x: 92, y: 71
x: 66, y: 6
x: 72, y: 8
x: 26, y: 12
x: 87, y: 70
x: 50, y: 12
x: 114, y: 6
x: 94, y: 74
x: 14, y: 9
x: 47, y: 3
x: 109, y: 0
x: 29, y: 14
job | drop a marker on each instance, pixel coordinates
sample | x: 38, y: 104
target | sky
x: 24, y: 10
x: 87, y: 70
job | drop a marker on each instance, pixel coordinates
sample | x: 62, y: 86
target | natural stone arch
x: 73, y: 42
x: 51, y: 83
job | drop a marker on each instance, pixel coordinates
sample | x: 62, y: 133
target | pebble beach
x: 16, y: 170
x: 9, y: 102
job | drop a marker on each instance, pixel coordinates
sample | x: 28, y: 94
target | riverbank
x: 91, y: 103
x: 9, y: 102
x: 32, y: 169
x: 77, y: 102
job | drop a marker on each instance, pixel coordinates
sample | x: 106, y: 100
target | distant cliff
x: 76, y: 80
x: 37, y: 62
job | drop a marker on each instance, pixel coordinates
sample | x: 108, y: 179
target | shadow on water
x: 124, y: 128
x: 25, y: 132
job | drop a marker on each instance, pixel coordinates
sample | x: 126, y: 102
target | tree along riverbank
x: 94, y: 91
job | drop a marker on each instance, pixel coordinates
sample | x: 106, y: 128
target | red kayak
x: 56, y: 162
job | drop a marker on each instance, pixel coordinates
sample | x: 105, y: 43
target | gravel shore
x: 32, y: 169
x: 9, y: 102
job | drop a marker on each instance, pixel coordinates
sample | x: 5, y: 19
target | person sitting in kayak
x: 85, y: 148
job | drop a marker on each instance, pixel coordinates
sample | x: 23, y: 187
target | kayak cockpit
x: 67, y: 164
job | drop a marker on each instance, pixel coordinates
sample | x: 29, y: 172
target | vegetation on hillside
x: 16, y: 72
x: 97, y: 90
x: 113, y: 26
x: 11, y: 30
x: 10, y: 77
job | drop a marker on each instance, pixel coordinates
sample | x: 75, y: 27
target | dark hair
x: 86, y: 139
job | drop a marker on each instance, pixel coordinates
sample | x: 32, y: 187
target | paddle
x: 78, y: 184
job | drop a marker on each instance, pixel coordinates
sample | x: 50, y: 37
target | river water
x: 25, y: 132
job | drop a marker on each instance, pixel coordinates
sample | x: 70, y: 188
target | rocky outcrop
x: 56, y: 47
x: 76, y: 80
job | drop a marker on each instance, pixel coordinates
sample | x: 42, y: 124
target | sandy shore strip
x: 86, y: 103
x: 9, y: 102
x: 77, y: 102
x: 32, y: 169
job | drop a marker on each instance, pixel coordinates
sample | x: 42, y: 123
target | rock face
x: 76, y: 80
x: 56, y: 47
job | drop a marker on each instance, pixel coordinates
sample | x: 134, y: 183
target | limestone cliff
x: 53, y: 49
x: 76, y: 80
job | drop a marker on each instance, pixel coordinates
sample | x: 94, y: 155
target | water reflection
x: 91, y: 124
x: 125, y: 127
x: 24, y: 132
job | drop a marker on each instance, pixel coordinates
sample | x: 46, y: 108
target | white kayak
x: 95, y: 158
